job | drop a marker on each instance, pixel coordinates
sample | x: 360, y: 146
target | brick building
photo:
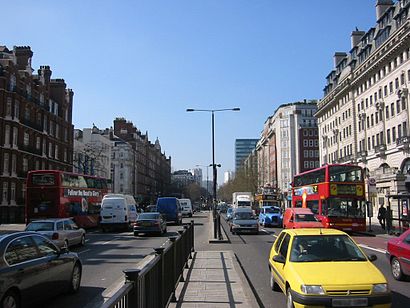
x: 36, y: 130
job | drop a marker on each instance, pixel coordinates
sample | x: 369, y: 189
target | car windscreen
x: 325, y: 248
x: 305, y: 217
x: 148, y: 216
x: 272, y: 210
x: 40, y: 226
x: 244, y: 215
x: 112, y: 203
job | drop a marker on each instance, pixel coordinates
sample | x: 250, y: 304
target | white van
x: 186, y: 207
x: 118, y: 211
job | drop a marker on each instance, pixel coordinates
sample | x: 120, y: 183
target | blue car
x: 229, y: 213
x: 270, y: 216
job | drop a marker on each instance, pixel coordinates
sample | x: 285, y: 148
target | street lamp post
x: 213, y: 157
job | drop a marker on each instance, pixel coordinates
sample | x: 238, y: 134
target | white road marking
x: 371, y: 248
x: 266, y: 231
x: 80, y: 252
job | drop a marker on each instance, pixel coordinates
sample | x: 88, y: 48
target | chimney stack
x: 356, y: 36
x: 382, y: 6
x: 339, y: 56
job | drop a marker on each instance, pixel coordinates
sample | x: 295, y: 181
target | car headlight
x: 380, y: 288
x: 317, y: 290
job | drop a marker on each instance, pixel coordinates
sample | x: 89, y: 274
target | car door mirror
x: 279, y: 259
x: 291, y: 220
x: 63, y: 250
x: 372, y: 258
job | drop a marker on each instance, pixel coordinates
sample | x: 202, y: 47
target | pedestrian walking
x: 381, y: 216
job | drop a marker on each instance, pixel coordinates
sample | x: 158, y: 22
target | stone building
x: 150, y: 170
x: 364, y: 114
x: 92, y: 152
x: 288, y: 145
x: 36, y: 130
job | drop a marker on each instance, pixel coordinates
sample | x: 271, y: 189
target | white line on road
x: 371, y: 248
x: 267, y: 232
x: 80, y: 252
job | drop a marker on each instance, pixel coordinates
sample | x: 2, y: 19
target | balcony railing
x: 32, y: 124
x: 30, y: 149
x: 402, y: 143
x: 380, y: 150
x: 362, y: 155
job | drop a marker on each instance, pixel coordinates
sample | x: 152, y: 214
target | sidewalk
x: 214, y: 279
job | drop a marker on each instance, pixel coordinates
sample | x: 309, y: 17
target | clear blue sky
x: 149, y: 60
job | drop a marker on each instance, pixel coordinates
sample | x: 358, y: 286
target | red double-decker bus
x: 59, y: 194
x: 335, y: 193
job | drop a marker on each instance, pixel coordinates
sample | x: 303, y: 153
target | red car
x: 297, y: 217
x: 398, y: 252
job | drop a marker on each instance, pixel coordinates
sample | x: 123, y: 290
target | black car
x: 152, y: 222
x: 33, y: 268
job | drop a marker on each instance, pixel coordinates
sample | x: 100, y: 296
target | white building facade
x: 364, y: 114
x: 92, y: 152
x: 280, y: 153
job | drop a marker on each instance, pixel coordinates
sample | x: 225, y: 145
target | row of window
x: 310, y: 153
x: 390, y: 111
x: 366, y: 103
x: 53, y: 149
x: 379, y: 139
x: 309, y: 132
x: 372, y: 81
x: 311, y: 164
x: 41, y: 122
x: 383, y: 72
x: 310, y: 143
x: 6, y: 192
x: 346, y: 151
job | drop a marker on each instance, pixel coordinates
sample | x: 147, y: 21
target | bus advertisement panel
x: 335, y: 193
x: 59, y: 194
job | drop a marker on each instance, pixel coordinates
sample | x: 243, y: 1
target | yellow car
x: 325, y: 268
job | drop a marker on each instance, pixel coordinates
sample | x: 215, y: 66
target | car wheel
x: 289, y: 299
x: 273, y: 285
x: 396, y: 269
x: 75, y: 279
x: 10, y: 300
x: 82, y: 243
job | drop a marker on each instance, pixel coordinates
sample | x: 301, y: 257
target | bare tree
x: 89, y: 155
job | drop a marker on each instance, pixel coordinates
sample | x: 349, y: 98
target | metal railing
x: 154, y: 284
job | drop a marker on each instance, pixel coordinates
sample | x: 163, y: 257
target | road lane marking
x: 371, y: 248
x: 267, y: 232
x: 80, y: 252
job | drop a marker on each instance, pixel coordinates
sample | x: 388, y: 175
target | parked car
x: 229, y: 214
x: 244, y: 221
x: 297, y: 217
x: 315, y: 267
x: 33, y: 269
x: 118, y: 211
x: 152, y: 222
x: 186, y: 207
x: 170, y: 208
x: 398, y: 254
x: 270, y: 216
x: 62, y: 231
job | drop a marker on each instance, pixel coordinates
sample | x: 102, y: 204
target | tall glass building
x: 243, y: 147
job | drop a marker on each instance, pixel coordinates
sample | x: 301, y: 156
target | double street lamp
x: 213, y: 154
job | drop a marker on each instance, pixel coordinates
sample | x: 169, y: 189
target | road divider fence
x: 154, y: 283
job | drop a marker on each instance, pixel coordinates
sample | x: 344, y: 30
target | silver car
x: 244, y: 221
x: 62, y: 231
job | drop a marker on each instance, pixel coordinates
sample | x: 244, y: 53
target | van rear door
x: 113, y: 210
